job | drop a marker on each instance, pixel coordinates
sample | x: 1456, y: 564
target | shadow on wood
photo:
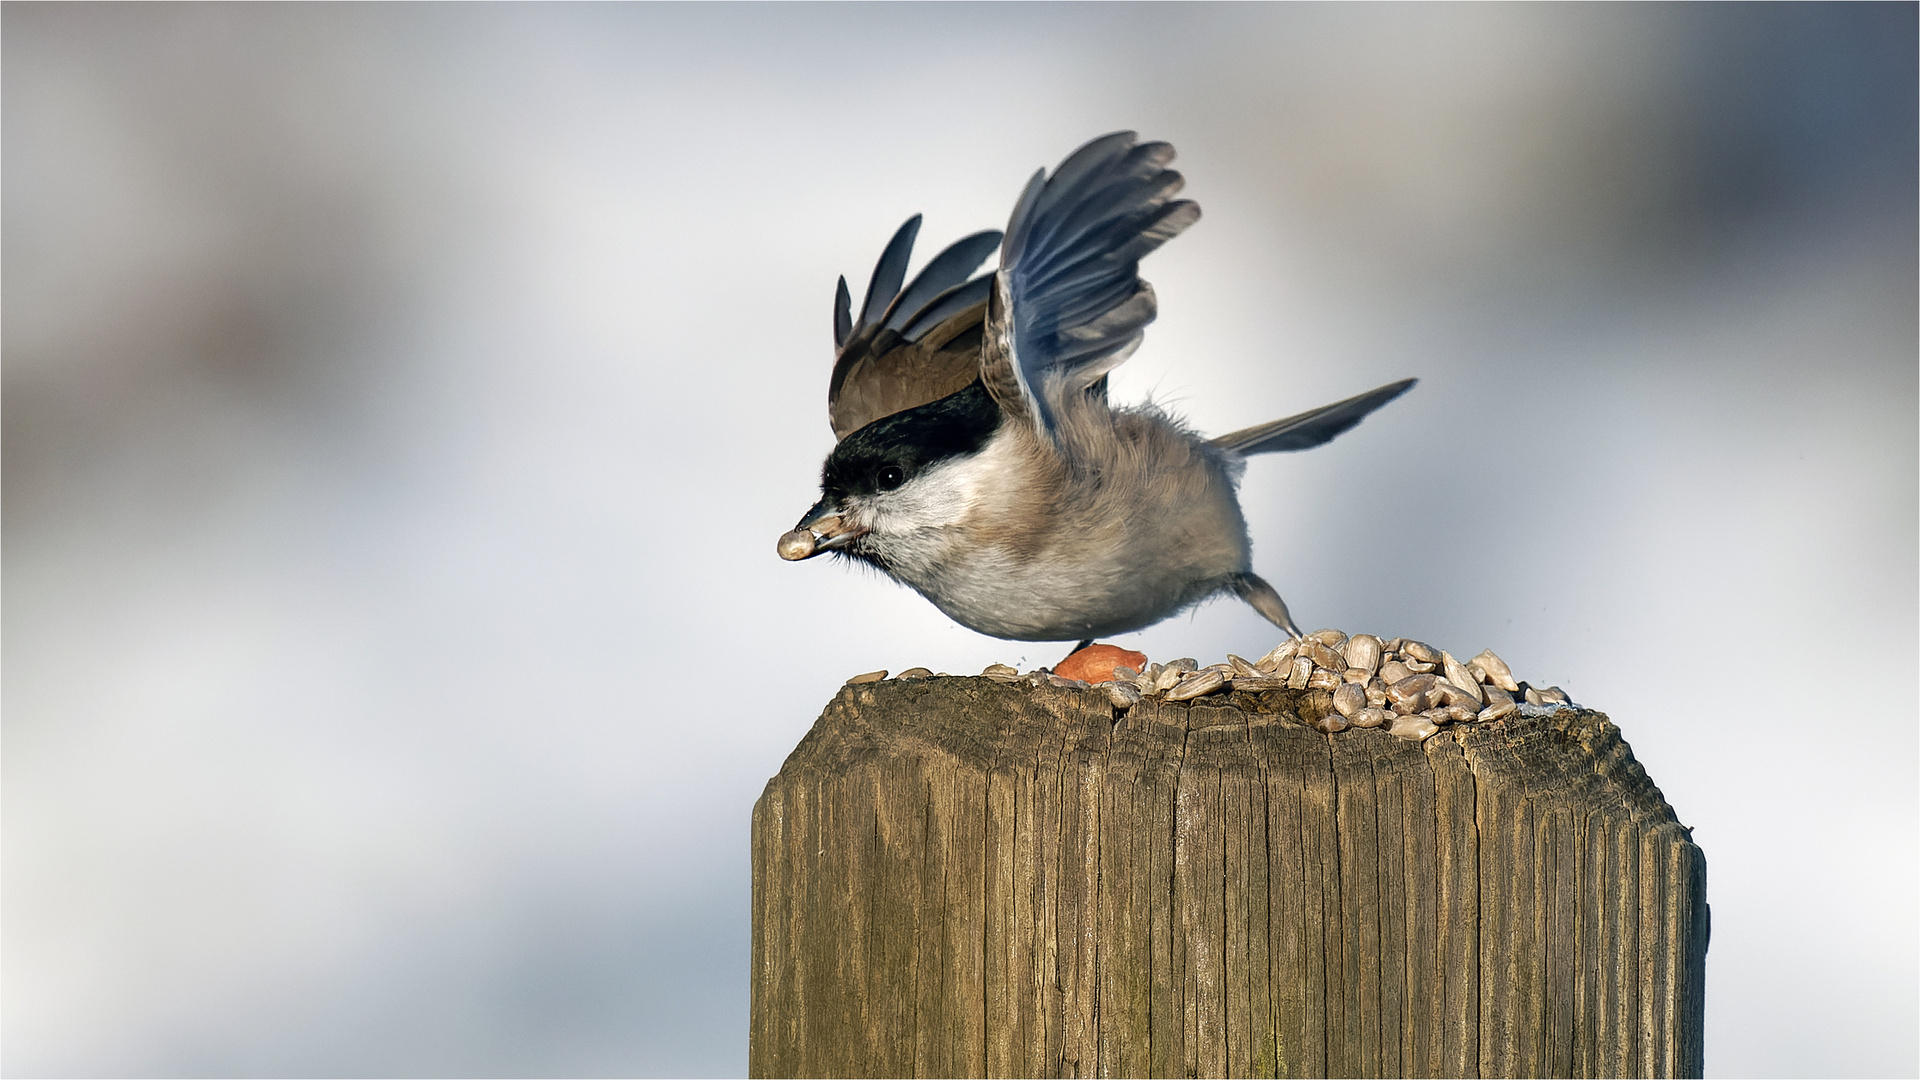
x: 959, y: 877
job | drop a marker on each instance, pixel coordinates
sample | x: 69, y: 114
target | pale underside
x: 1019, y: 544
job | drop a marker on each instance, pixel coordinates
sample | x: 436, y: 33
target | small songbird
x: 979, y: 462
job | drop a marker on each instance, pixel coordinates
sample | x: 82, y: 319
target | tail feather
x: 1313, y: 427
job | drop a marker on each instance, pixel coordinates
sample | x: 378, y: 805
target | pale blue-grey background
x: 401, y: 404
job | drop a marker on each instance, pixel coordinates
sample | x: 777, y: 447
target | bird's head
x: 891, y: 487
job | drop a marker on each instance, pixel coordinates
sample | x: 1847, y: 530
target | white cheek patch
x: 930, y: 529
x: 950, y: 493
x: 915, y: 525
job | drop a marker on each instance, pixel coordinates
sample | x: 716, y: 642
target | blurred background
x: 401, y: 404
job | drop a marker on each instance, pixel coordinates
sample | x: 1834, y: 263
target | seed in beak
x: 796, y: 545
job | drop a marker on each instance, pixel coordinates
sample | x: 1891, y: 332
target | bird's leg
x: 1255, y: 591
x: 1084, y: 642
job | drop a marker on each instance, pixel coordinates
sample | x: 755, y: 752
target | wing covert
x: 911, y: 345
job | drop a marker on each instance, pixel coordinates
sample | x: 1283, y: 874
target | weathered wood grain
x: 959, y: 877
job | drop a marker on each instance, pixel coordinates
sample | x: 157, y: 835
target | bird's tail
x: 1313, y: 427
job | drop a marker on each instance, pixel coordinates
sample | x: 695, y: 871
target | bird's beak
x: 822, y: 529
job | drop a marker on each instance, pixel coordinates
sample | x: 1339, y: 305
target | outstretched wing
x: 1313, y: 427
x: 914, y: 345
x: 1068, y: 304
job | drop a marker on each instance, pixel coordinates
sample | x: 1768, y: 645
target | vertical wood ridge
x: 960, y: 877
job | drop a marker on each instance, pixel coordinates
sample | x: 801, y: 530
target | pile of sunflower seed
x: 1359, y: 681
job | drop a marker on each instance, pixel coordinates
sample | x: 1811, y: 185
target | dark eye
x: 890, y: 477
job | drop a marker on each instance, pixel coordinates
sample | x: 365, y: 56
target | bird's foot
x: 1255, y: 591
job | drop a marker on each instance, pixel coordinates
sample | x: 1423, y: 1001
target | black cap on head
x: 893, y: 449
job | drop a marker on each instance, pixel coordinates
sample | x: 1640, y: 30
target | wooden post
x: 959, y: 877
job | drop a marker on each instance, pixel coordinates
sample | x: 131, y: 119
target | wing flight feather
x: 948, y: 270
x: 1068, y: 304
x: 889, y: 272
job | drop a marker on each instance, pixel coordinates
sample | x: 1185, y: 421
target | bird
x: 978, y: 460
